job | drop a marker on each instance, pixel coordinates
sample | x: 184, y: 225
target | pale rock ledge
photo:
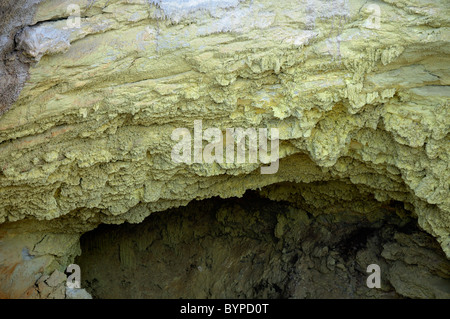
x: 359, y: 92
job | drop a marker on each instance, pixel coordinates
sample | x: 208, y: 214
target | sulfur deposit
x: 358, y: 90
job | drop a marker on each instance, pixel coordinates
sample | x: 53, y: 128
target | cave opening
x: 258, y: 246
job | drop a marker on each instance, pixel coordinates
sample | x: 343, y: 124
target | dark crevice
x: 254, y: 247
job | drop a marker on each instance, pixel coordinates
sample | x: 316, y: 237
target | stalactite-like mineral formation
x: 92, y: 92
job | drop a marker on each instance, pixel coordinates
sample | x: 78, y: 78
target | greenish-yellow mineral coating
x: 359, y: 93
x: 253, y: 247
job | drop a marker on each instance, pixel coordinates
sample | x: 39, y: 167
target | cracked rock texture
x: 14, y: 14
x: 253, y: 247
x: 358, y: 90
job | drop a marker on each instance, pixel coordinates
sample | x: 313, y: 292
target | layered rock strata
x: 358, y: 91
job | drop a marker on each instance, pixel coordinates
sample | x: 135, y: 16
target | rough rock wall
x: 15, y: 15
x: 358, y: 91
x: 253, y: 247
